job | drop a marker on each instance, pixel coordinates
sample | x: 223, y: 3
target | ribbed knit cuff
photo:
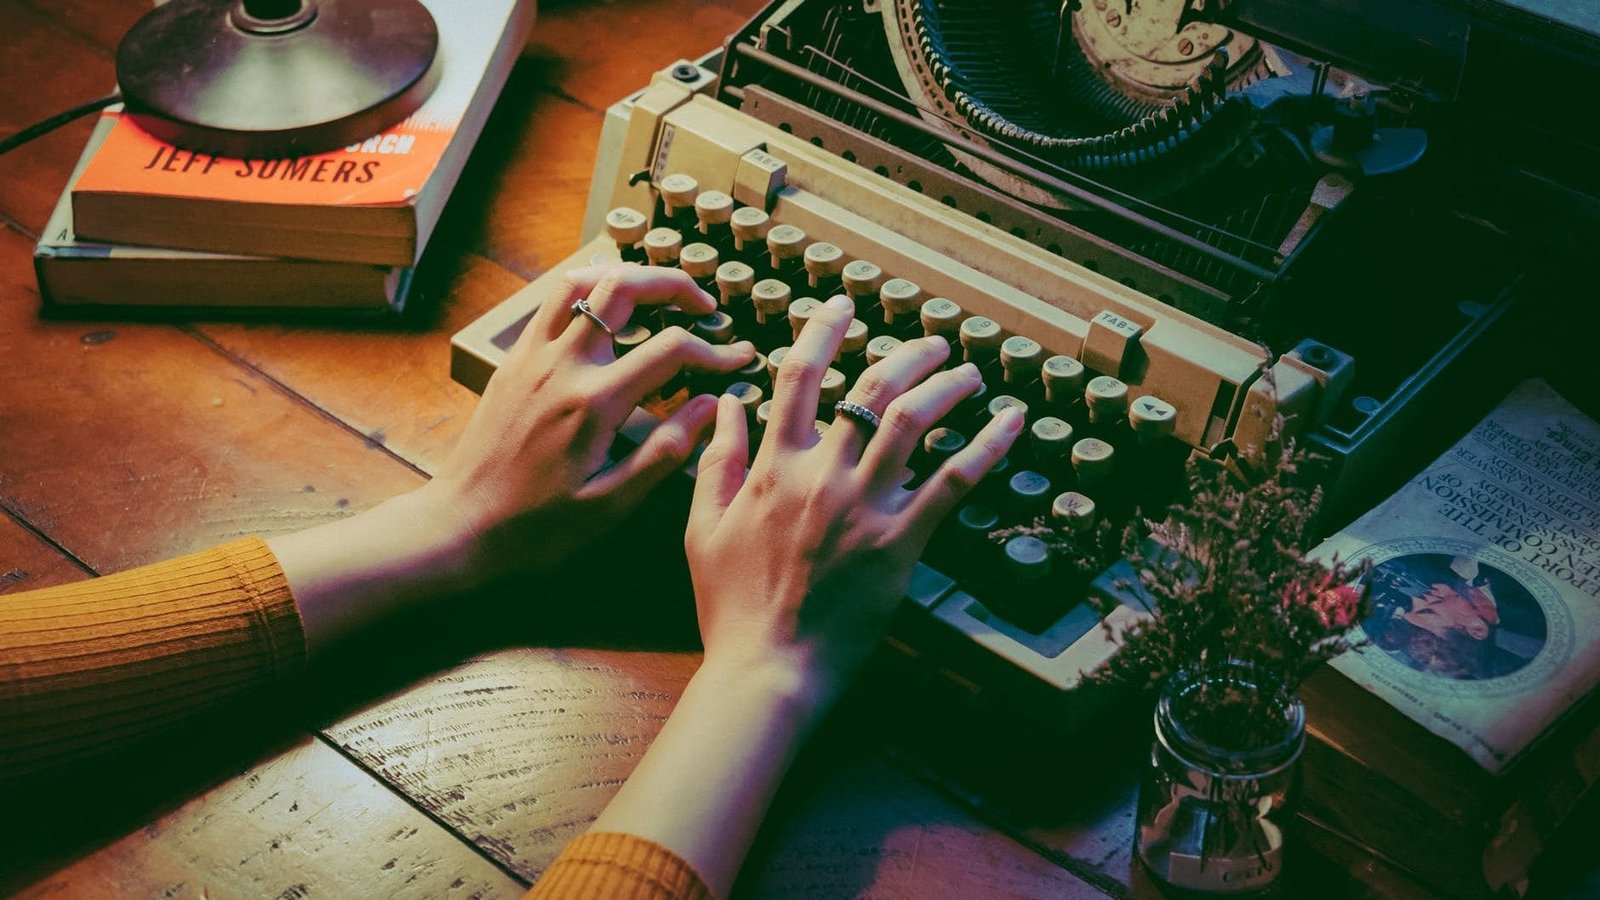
x: 618, y: 867
x: 90, y: 666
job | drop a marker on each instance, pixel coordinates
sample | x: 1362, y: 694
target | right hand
x: 801, y: 561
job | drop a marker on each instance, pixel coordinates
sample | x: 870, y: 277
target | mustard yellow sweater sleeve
x: 618, y: 867
x: 87, y: 667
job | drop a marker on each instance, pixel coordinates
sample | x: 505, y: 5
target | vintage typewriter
x: 1158, y: 226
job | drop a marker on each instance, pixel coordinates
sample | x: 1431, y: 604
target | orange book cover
x: 384, y: 170
x: 374, y: 201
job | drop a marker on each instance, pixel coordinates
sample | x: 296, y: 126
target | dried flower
x: 1228, y: 574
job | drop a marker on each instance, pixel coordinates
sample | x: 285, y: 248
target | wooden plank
x: 99, y: 23
x: 520, y: 750
x: 28, y: 562
x: 43, y: 71
x: 610, y: 50
x: 308, y: 823
x: 132, y: 443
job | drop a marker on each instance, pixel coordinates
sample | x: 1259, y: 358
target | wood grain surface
x: 124, y: 442
x: 440, y: 757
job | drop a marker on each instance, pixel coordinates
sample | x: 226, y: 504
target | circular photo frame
x: 1462, y: 618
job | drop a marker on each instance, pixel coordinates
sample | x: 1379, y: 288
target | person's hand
x: 801, y: 561
x: 529, y: 481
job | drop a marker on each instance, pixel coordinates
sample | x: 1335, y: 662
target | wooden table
x: 429, y: 761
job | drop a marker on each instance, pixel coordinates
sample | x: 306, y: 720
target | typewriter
x: 1159, y: 227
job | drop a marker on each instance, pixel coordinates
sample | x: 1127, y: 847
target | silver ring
x: 858, y: 412
x: 581, y: 308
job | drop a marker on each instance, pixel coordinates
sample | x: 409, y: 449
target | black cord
x: 56, y: 121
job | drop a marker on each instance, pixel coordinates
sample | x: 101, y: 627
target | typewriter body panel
x: 1354, y: 310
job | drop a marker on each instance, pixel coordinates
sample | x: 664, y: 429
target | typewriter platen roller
x: 1153, y: 230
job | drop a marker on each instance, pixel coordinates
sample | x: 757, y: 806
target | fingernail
x: 839, y: 301
x: 1013, y: 422
x: 937, y: 340
x: 967, y: 369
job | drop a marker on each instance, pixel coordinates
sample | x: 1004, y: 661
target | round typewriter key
x: 820, y: 427
x: 1027, y: 558
x: 1052, y: 439
x: 1022, y: 358
x: 771, y: 298
x: 942, y: 443
x: 734, y: 280
x: 749, y: 396
x: 715, y: 328
x: 1107, y: 398
x: 678, y: 192
x: 977, y: 520
x: 629, y: 337
x: 699, y: 260
x: 763, y: 413
x: 941, y: 316
x: 1092, y: 459
x: 1004, y: 402
x: 1063, y: 380
x: 980, y: 339
x: 823, y: 262
x: 713, y: 208
x: 774, y: 360
x: 1072, y: 510
x: 754, y: 371
x: 900, y: 297
x: 832, y: 389
x: 800, y: 313
x: 862, y: 278
x: 855, y: 339
x: 749, y: 223
x: 786, y: 243
x: 626, y: 226
x: 661, y: 245
x: 879, y: 348
x: 1152, y: 417
x: 1029, y: 492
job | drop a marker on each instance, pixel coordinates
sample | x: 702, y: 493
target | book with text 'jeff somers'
x: 79, y: 274
x: 1463, y: 732
x: 375, y: 201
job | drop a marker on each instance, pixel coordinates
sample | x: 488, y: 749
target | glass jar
x: 1215, y: 801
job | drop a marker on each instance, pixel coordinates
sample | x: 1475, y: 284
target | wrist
x: 786, y: 682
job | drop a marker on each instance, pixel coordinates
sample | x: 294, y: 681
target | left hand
x: 529, y: 483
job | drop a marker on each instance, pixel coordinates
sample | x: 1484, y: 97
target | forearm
x: 351, y: 573
x: 704, y: 785
x: 89, y: 667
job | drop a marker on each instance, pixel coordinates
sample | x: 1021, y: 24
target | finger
x: 885, y: 380
x: 555, y: 313
x: 653, y: 363
x: 937, y: 496
x: 910, y: 416
x: 664, y: 451
x: 622, y: 288
x: 798, y: 384
x: 722, y: 465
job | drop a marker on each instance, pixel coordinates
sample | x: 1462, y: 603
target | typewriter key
x: 832, y: 390
x: 1028, y: 494
x: 750, y: 226
x: 677, y: 197
x: 1092, y: 460
x: 774, y: 360
x: 754, y: 371
x: 823, y: 262
x: 1152, y: 418
x: 940, y: 444
x: 855, y: 340
x: 800, y: 313
x: 879, y: 348
x: 750, y: 396
x: 661, y: 245
x: 1022, y: 359
x: 714, y: 210
x: 1052, y: 441
x: 861, y: 280
x: 785, y: 244
x: 629, y: 337
x: 735, y: 280
x: 771, y: 298
x: 1063, y: 381
x: 715, y: 328
x: 1073, y: 511
x: 1107, y: 398
x: 980, y: 340
x: 627, y: 226
x: 1003, y: 402
x: 700, y: 261
x: 941, y: 316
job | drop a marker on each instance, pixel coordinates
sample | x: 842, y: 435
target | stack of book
x: 144, y: 224
x: 1456, y: 741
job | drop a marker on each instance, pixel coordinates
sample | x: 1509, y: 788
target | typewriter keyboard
x: 1093, y: 448
x: 1116, y: 387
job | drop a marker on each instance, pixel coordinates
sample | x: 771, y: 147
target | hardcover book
x: 77, y: 273
x: 375, y: 201
x: 1465, y: 729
